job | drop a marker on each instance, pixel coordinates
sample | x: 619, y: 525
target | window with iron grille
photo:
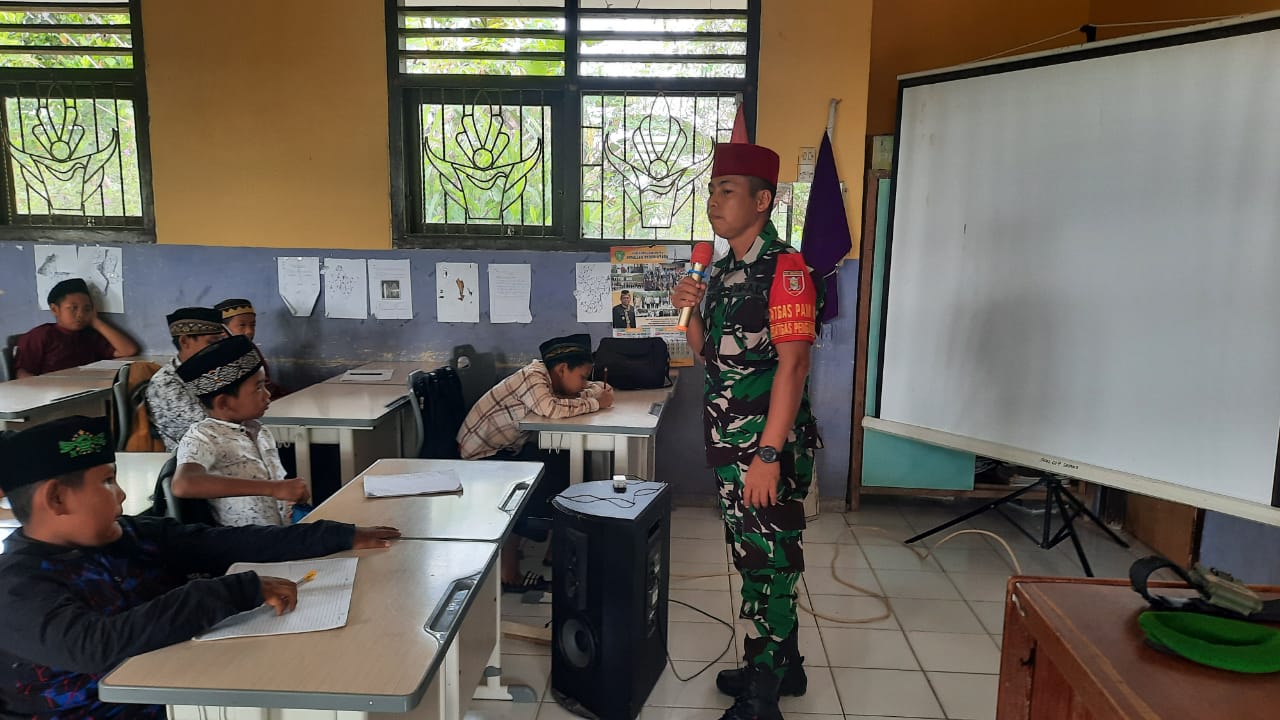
x: 554, y: 123
x: 72, y: 110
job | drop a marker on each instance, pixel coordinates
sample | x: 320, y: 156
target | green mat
x: 1222, y: 643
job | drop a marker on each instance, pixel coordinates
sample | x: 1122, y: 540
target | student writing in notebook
x: 82, y: 589
x: 557, y: 386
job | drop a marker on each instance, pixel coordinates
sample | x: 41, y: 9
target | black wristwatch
x: 767, y: 454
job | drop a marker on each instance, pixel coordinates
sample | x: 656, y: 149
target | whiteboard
x: 1085, y: 266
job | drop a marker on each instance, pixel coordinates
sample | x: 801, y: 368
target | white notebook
x: 423, y: 483
x: 323, y: 603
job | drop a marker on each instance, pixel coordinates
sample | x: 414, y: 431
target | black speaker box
x: 610, y: 567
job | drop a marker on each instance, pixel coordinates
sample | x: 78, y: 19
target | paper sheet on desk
x: 423, y: 483
x: 323, y: 603
x: 105, y: 365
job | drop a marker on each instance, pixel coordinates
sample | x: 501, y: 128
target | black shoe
x: 794, y: 681
x: 759, y: 698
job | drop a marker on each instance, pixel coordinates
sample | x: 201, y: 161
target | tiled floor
x: 937, y: 656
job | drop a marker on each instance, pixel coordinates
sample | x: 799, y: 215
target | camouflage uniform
x: 741, y: 362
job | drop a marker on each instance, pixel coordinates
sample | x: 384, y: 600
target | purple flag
x: 826, y: 239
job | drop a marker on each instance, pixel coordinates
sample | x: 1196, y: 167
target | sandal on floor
x: 532, y: 582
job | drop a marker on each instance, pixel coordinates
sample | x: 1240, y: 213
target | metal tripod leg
x: 1068, y: 525
x: 1081, y: 508
x: 976, y: 512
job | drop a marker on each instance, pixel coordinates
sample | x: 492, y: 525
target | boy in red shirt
x: 78, y: 337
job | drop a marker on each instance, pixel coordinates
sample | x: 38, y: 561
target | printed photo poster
x: 647, y: 274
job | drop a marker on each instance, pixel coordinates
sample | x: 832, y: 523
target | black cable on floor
x: 727, y: 647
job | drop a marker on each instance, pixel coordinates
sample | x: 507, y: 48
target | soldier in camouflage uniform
x: 755, y: 337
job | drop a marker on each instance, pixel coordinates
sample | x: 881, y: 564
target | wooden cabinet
x: 1073, y: 651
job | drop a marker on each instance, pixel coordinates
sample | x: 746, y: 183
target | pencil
x: 307, y: 578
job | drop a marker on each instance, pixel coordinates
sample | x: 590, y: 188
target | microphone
x: 699, y: 259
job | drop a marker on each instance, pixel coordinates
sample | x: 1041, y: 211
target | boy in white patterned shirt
x: 229, y: 458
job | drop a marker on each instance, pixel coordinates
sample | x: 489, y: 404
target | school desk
x: 629, y: 430
x: 366, y: 422
x: 419, y: 631
x: 493, y: 495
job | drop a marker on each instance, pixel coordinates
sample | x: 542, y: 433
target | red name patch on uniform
x: 792, y: 302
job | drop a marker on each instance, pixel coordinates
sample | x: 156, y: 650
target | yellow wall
x: 269, y: 122
x: 914, y: 35
x: 1104, y: 12
x: 810, y: 52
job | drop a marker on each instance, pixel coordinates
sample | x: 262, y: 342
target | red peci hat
x: 745, y: 159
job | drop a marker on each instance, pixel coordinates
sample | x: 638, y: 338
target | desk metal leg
x: 346, y: 455
x: 493, y: 689
x: 577, y: 456
x: 302, y: 451
x: 622, y: 456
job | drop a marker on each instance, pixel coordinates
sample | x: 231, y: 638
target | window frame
x: 566, y: 129
x: 78, y: 78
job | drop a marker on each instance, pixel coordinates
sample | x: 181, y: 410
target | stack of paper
x: 323, y: 602
x: 423, y: 483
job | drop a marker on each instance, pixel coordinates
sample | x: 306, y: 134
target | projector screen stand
x: 1057, y: 495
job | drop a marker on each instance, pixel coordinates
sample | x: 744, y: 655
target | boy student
x: 76, y: 337
x: 557, y: 386
x: 240, y: 318
x: 229, y: 458
x: 83, y: 589
x: 171, y: 405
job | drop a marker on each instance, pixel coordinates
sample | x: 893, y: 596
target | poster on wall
x: 642, y: 278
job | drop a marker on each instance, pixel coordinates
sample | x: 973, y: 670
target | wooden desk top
x: 493, y: 493
x: 382, y: 661
x: 19, y: 397
x: 400, y: 370
x: 336, y: 405
x: 1089, y: 629
x: 634, y: 412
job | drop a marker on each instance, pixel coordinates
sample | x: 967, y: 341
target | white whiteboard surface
x: 1085, y: 264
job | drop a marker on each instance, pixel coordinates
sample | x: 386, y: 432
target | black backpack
x: 633, y: 363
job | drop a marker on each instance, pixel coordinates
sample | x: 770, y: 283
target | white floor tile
x: 967, y: 697
x: 883, y: 649
x: 850, y: 608
x: 981, y: 586
x: 891, y: 535
x: 682, y: 576
x: 700, y: 551
x: 828, y: 528
x: 699, y: 527
x: 911, y: 584
x: 700, y: 692
x: 700, y: 641
x: 500, y: 710
x: 897, y: 693
x: 721, y: 604
x: 999, y: 641
x: 821, y: 698
x: 818, y: 556
x: 973, y: 560
x: 530, y: 670
x: 899, y: 558
x: 665, y: 713
x: 955, y: 652
x: 875, y: 516
x: 991, y: 614
x: 936, y: 615
x: 821, y: 581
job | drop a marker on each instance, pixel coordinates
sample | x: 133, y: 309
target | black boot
x: 759, y: 698
x: 794, y: 681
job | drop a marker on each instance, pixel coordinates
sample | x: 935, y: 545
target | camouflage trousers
x: 768, y: 552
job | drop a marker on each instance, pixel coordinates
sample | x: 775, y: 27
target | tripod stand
x: 1056, y: 495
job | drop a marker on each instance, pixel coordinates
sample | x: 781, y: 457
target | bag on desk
x: 633, y: 363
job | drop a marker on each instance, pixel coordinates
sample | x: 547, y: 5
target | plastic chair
x: 419, y: 430
x: 123, y: 407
